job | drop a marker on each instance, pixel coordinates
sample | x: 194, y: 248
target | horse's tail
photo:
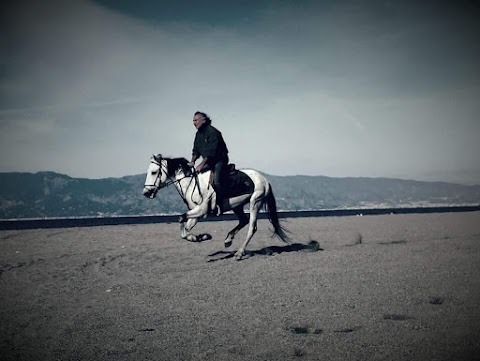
x: 278, y: 229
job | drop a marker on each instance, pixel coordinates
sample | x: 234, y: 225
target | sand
x: 390, y: 287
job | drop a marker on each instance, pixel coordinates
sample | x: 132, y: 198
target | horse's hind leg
x: 242, y: 222
x: 255, y: 206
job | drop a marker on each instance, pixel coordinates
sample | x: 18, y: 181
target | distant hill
x: 49, y: 194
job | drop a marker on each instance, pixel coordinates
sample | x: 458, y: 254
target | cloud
x: 325, y: 87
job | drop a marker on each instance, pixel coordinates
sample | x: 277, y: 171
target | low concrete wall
x: 112, y: 221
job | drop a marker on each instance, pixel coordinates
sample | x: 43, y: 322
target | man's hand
x: 201, y: 165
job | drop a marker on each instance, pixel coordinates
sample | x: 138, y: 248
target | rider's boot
x: 218, y: 211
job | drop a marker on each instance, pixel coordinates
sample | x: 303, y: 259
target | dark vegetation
x: 49, y: 194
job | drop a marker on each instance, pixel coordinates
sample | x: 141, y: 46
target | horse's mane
x: 173, y: 164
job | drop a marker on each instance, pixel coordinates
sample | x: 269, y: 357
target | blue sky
x: 337, y: 88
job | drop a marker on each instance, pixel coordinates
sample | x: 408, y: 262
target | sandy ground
x: 392, y: 287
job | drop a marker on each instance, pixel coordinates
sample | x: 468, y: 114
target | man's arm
x: 202, y: 164
x: 194, y: 159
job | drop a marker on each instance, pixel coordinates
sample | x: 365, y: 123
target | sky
x: 92, y: 88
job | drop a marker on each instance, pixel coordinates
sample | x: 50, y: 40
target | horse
x: 199, y: 195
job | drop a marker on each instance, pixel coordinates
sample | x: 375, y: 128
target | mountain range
x: 49, y: 194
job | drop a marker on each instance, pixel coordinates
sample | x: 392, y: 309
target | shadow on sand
x: 311, y: 246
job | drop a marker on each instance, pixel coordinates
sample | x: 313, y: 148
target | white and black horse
x: 199, y: 196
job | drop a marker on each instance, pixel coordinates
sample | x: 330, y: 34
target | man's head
x: 200, y: 118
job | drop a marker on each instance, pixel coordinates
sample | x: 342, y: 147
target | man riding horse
x: 209, y: 145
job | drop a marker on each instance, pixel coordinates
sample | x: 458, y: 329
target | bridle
x: 171, y: 181
x: 159, y: 174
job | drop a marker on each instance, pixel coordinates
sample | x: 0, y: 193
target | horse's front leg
x: 189, y: 220
x: 186, y: 227
x: 198, y: 211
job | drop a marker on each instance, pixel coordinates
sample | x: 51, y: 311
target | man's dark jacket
x: 209, y: 143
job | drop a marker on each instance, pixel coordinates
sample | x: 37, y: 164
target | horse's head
x: 156, y: 176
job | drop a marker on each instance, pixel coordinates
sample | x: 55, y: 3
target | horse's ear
x: 157, y: 157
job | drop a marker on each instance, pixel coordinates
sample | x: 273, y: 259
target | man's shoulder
x: 212, y: 129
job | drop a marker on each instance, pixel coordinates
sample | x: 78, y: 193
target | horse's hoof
x: 227, y: 243
x: 192, y: 238
x: 238, y: 256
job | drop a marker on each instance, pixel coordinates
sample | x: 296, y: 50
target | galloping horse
x: 199, y: 196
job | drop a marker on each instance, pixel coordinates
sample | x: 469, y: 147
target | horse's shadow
x: 311, y: 246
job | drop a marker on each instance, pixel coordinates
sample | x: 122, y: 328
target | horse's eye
x: 154, y: 171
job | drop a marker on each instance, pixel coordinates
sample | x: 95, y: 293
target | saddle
x: 236, y: 183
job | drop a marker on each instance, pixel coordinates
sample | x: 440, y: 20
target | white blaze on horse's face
x: 156, y: 176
